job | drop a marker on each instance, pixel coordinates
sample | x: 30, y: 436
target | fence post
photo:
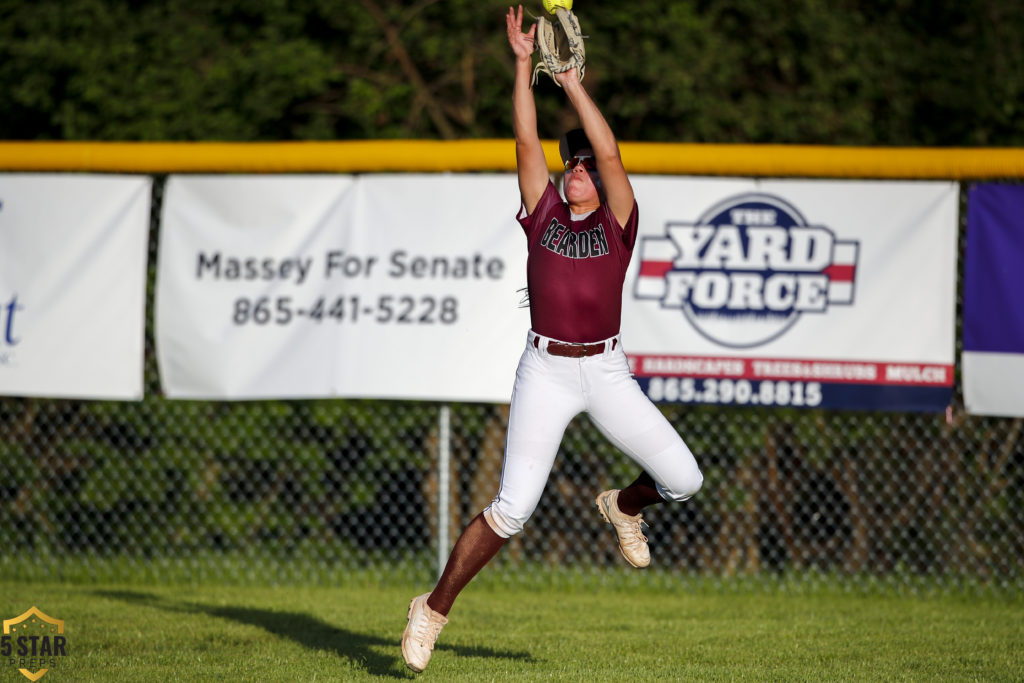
x: 443, y: 475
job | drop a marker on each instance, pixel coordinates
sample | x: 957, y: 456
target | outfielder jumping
x: 574, y: 362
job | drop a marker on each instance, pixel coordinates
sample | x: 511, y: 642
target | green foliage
x: 949, y: 72
x: 163, y: 477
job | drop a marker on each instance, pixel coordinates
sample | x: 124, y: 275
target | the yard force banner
x: 72, y: 285
x: 390, y: 286
x: 794, y: 293
x: 993, y: 309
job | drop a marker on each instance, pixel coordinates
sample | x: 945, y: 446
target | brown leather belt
x: 568, y: 350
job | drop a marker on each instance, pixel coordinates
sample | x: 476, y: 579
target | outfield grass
x: 140, y: 632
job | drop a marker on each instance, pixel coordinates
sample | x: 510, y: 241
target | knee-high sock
x: 474, y: 549
x: 638, y: 495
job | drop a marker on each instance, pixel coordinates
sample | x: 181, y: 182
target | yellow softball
x: 552, y: 5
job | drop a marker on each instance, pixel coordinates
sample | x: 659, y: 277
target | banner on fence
x: 795, y: 293
x: 73, y: 252
x: 380, y: 286
x: 993, y: 308
x: 835, y: 294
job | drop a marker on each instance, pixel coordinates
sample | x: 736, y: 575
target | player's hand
x: 566, y: 78
x: 522, y: 43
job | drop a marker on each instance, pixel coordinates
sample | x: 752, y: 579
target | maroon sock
x: 640, y: 494
x: 475, y: 548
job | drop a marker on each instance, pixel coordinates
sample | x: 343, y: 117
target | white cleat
x: 632, y: 542
x: 421, y: 633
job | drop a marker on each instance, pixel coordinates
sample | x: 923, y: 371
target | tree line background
x: 848, y: 72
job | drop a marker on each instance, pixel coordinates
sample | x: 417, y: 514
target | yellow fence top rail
x: 375, y: 156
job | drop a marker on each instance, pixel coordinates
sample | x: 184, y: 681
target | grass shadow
x: 309, y: 632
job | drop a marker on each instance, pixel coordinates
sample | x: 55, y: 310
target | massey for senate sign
x: 833, y: 294
x: 388, y: 286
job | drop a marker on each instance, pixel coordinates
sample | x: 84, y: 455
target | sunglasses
x: 588, y: 163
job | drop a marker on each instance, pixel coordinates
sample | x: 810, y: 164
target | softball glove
x: 560, y: 44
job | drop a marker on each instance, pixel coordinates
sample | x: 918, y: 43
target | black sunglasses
x: 587, y: 161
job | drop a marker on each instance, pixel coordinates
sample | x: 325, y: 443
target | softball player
x: 574, y: 362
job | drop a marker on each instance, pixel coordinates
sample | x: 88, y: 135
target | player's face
x: 581, y: 180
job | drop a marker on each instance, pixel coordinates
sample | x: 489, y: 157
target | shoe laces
x: 429, y: 629
x: 632, y: 534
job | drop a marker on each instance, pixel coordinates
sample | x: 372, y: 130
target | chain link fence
x: 316, y: 490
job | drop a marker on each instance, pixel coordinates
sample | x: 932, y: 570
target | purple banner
x: 993, y: 309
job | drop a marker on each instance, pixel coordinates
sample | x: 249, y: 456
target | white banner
x: 72, y: 285
x: 798, y: 293
x: 386, y: 286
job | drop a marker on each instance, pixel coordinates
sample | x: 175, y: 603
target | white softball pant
x: 549, y: 392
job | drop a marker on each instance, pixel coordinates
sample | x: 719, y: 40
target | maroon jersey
x: 575, y: 269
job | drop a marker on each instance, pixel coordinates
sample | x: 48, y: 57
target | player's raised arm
x: 530, y: 162
x: 617, y: 189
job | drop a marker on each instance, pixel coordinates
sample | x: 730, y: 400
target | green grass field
x: 591, y: 632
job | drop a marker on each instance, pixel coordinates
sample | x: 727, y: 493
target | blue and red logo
x: 747, y: 270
